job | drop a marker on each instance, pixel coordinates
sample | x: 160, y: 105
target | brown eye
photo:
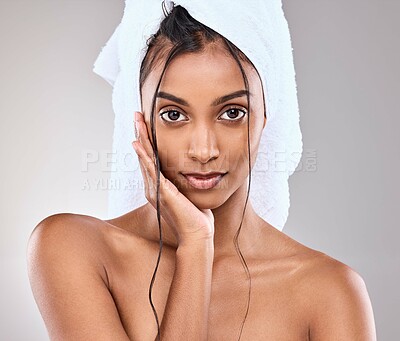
x: 171, y: 116
x: 234, y: 114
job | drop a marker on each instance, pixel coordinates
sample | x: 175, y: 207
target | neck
x: 227, y: 218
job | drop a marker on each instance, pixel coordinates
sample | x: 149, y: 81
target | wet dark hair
x: 179, y: 33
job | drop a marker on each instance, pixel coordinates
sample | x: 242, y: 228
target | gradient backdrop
x: 54, y: 111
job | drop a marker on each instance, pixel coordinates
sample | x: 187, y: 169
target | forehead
x: 208, y: 72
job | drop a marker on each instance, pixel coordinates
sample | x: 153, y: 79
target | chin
x: 203, y: 200
x: 207, y: 205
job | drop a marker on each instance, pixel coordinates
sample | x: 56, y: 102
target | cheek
x: 237, y: 152
x: 256, y: 131
x: 171, y: 155
x: 169, y: 158
x: 234, y: 151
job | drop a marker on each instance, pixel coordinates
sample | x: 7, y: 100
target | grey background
x: 54, y: 109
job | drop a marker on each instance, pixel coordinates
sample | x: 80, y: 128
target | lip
x: 203, y: 180
x: 205, y: 175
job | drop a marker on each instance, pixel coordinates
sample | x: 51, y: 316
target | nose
x: 203, y: 145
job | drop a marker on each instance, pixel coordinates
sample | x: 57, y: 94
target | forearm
x: 186, y: 312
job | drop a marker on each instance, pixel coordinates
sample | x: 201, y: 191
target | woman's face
x: 195, y: 131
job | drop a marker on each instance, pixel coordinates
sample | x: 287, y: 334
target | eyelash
x: 230, y: 121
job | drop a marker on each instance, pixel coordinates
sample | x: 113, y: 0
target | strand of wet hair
x: 235, y: 239
x: 172, y: 53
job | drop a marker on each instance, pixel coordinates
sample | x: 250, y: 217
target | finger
x: 135, y: 145
x: 149, y: 166
x: 147, y: 146
x: 145, y: 164
x: 144, y: 158
x: 144, y: 136
x: 167, y: 189
x: 145, y: 143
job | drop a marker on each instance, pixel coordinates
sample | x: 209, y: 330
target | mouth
x: 205, y: 180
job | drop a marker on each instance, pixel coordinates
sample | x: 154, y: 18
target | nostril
x: 204, y: 157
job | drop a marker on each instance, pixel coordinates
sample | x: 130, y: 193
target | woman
x: 90, y: 277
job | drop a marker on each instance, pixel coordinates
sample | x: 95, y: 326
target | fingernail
x: 137, y: 114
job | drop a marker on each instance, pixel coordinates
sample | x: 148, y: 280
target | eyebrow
x: 217, y: 101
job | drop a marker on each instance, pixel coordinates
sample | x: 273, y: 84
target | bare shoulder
x: 69, y: 230
x: 63, y: 227
x: 65, y: 219
x: 65, y: 257
x: 94, y: 233
x: 67, y: 222
x: 97, y: 240
x: 336, y: 300
x: 332, y: 298
x: 324, y: 273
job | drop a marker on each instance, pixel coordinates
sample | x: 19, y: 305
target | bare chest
x: 273, y: 312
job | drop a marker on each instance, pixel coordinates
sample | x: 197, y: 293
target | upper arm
x: 342, y: 308
x: 65, y: 274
